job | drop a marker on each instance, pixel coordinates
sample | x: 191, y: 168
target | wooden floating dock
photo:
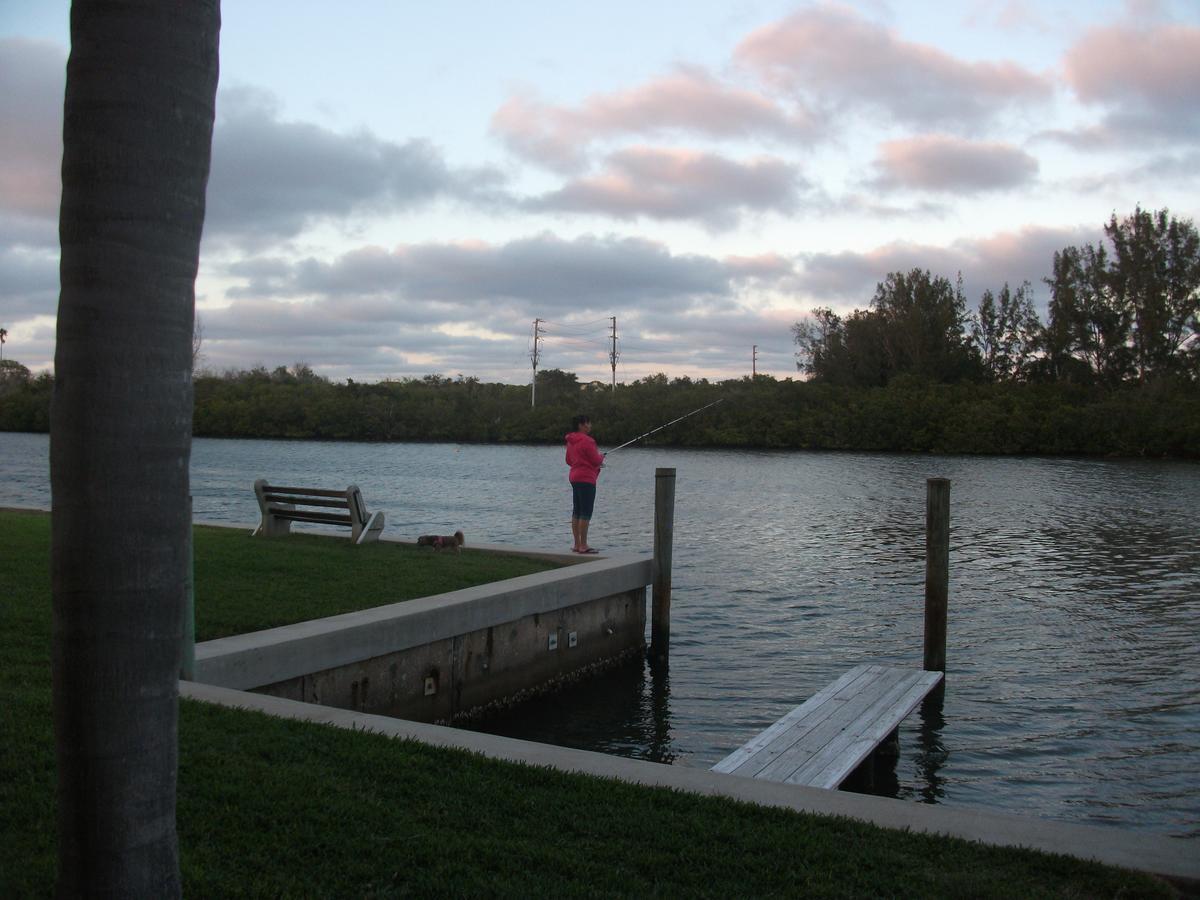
x: 823, y: 740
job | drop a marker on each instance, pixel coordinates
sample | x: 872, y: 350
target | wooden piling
x: 664, y: 531
x: 937, y: 571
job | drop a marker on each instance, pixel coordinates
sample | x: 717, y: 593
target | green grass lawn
x: 246, y: 584
x: 275, y: 808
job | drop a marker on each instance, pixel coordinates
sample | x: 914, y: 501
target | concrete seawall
x: 443, y: 657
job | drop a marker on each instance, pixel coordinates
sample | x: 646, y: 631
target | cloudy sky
x: 401, y: 189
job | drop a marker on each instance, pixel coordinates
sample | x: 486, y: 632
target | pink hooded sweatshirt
x: 583, y: 458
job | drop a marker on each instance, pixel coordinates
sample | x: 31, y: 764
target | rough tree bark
x: 137, y: 138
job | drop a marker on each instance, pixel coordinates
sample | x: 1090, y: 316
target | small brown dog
x: 442, y: 541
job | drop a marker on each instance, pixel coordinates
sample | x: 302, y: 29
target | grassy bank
x: 279, y: 808
x: 247, y: 584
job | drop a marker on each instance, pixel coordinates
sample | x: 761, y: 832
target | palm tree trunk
x: 137, y: 138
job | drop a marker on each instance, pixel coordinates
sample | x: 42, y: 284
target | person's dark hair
x: 579, y: 420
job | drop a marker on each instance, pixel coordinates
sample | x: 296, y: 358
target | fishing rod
x: 661, y: 427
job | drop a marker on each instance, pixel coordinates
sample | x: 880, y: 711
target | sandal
x: 588, y: 550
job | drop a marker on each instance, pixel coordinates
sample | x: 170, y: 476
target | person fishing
x: 585, y: 462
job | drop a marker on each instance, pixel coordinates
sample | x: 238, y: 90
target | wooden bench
x: 281, y: 506
x: 823, y: 740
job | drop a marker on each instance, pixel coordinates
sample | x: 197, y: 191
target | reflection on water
x: 625, y: 711
x: 1073, y: 689
x: 931, y: 753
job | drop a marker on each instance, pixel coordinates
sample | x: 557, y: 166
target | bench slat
x: 307, y: 501
x: 300, y: 515
x: 824, y: 739
x: 312, y: 492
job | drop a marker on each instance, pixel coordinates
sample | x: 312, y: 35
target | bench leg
x: 269, y: 526
x: 372, y: 529
x: 273, y: 526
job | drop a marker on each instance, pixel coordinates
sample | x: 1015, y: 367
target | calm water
x: 1073, y: 683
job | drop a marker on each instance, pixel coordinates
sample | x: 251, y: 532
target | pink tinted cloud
x: 944, y: 163
x: 680, y: 184
x: 833, y: 55
x: 1146, y: 76
x: 849, y: 277
x: 686, y: 101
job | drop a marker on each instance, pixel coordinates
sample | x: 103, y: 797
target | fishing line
x: 661, y: 427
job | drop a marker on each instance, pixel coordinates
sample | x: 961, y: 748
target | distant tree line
x: 1122, y: 311
x: 24, y: 398
x: 909, y: 413
x: 1115, y: 370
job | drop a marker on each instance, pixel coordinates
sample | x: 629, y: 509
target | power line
x: 575, y: 340
x: 574, y: 334
x: 582, y: 326
x: 661, y: 349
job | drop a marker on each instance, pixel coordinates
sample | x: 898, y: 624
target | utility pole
x: 612, y: 356
x: 754, y: 362
x: 537, y: 334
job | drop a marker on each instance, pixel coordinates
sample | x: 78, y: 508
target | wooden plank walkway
x: 823, y: 740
